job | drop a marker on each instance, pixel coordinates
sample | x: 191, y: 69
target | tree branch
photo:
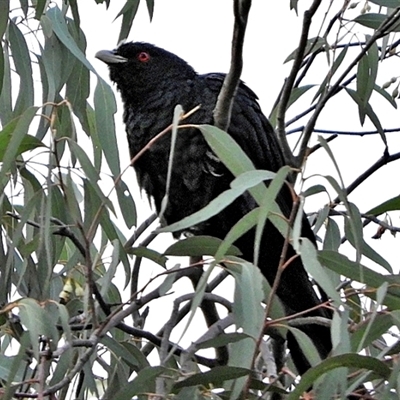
x: 223, y: 107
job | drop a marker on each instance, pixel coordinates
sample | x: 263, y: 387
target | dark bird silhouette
x: 152, y: 81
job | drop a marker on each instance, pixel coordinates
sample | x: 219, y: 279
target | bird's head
x: 139, y: 68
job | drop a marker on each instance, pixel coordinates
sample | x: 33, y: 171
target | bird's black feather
x: 152, y: 82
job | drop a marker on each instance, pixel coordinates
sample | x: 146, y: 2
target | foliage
x: 70, y: 231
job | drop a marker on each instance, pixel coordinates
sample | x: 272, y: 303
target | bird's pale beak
x: 109, y: 57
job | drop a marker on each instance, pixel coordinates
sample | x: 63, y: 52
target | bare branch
x: 223, y: 108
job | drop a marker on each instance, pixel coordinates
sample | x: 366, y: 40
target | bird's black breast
x: 196, y: 176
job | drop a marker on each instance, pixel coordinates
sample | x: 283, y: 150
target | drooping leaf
x: 61, y: 30
x: 336, y: 64
x: 312, y: 265
x: 223, y: 340
x: 313, y: 45
x: 150, y: 254
x: 5, y: 94
x: 150, y: 8
x: 366, y: 76
x: 4, y: 14
x: 367, y: 109
x: 28, y: 142
x: 128, y: 13
x: 238, y: 186
x: 18, y: 134
x: 23, y: 67
x: 126, y: 352
x: 142, y: 384
x: 105, y: 108
x: 198, y: 246
x: 38, y: 322
x: 374, y: 21
x: 386, y: 95
x: 360, y: 273
x: 331, y: 363
x: 126, y: 203
x: 40, y: 5
x: 294, y: 96
x: 366, y: 249
x: 215, y: 377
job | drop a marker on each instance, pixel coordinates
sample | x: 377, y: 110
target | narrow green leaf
x: 366, y: 249
x: 237, y: 161
x: 61, y: 30
x: 2, y: 67
x: 6, y: 363
x: 90, y: 172
x: 332, y: 238
x: 321, y: 218
x: 215, y: 377
x: 168, y: 282
x: 38, y: 322
x: 336, y: 64
x: 386, y: 95
x: 142, y: 384
x: 294, y: 96
x: 135, y: 360
x: 64, y: 364
x: 105, y: 108
x: 370, y: 330
x: 358, y: 272
x: 23, y: 67
x: 306, y: 345
x: 21, y: 128
x: 313, y: 45
x: 310, y: 261
x: 126, y: 203
x: 75, y: 13
x: 178, y: 112
x: 374, y: 21
x: 4, y: 13
x: 150, y: 8
x: 77, y: 91
x: 247, y: 309
x: 128, y: 13
x: 331, y: 363
x: 242, y: 226
x: 40, y: 5
x: 5, y: 94
x: 28, y: 142
x: 314, y: 190
x: 239, y: 185
x: 150, y: 254
x: 222, y: 340
x: 198, y: 246
x: 388, y: 205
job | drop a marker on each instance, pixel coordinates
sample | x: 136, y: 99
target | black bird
x: 152, y: 81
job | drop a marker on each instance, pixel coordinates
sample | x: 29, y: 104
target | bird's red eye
x: 143, y: 56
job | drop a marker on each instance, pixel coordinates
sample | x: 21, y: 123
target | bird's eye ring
x: 143, y: 56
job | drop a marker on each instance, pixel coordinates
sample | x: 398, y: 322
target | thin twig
x: 287, y: 90
x: 380, y: 32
